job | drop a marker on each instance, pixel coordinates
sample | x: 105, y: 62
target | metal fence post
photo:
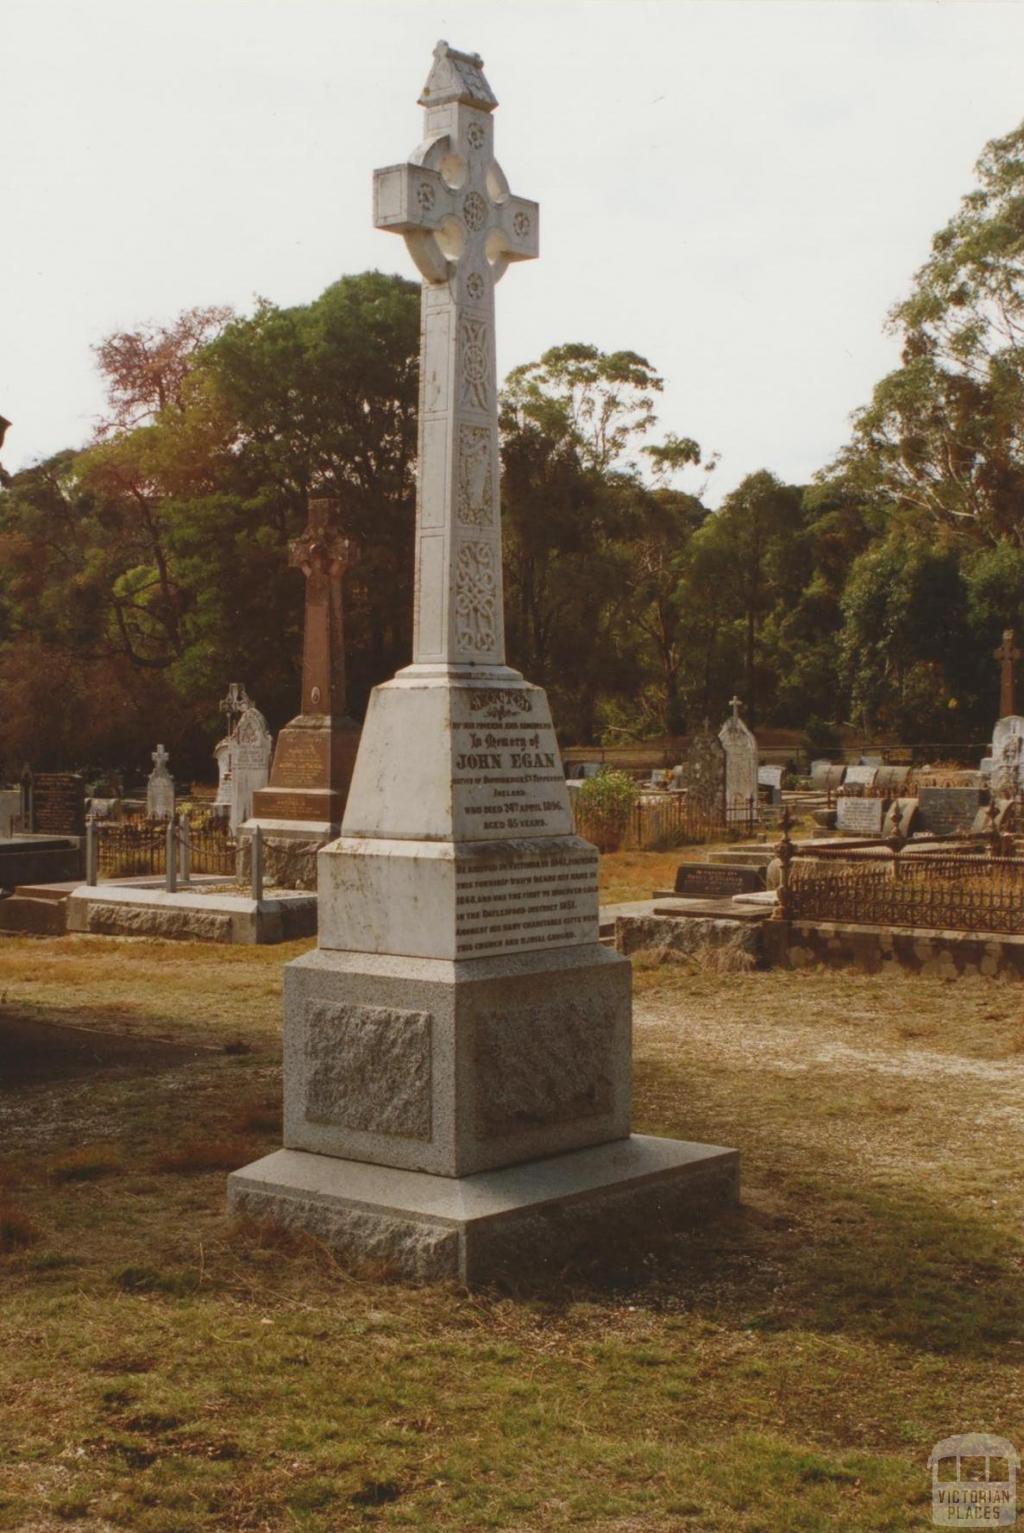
x: 257, y: 863
x: 185, y: 843
x: 91, y: 851
x: 784, y: 851
x: 171, y: 860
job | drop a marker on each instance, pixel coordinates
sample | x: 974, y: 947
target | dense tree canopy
x: 141, y: 574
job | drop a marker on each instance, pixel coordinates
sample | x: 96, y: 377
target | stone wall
x: 838, y: 945
x: 881, y: 950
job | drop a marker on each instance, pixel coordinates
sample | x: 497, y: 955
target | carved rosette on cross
x: 463, y: 227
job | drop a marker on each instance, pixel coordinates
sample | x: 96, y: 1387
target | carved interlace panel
x: 475, y: 597
x: 475, y: 484
x: 475, y: 391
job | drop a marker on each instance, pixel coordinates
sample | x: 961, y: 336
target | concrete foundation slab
x: 530, y: 1219
x: 118, y: 910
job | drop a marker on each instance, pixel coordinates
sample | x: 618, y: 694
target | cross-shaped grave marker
x: 323, y: 556
x: 1007, y: 653
x: 463, y: 226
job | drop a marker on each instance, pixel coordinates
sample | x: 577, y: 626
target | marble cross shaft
x: 323, y: 555
x: 463, y: 226
x: 1007, y: 653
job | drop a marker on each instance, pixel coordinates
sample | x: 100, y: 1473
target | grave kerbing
x: 457, y: 1050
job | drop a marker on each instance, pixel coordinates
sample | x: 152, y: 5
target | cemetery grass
x: 787, y: 1366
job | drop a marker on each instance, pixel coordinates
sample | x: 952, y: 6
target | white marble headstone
x: 1007, y: 777
x: 251, y: 751
x: 740, y: 763
x: 160, y: 789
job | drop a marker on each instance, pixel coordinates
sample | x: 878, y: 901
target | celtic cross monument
x: 300, y: 808
x: 457, y: 1049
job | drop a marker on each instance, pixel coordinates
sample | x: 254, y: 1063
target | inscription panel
x: 861, y: 816
x: 525, y: 902
x: 58, y: 803
x: 945, y: 811
x: 301, y: 760
x: 507, y: 777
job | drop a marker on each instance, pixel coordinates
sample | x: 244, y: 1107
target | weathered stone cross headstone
x: 160, y: 788
x: 1007, y: 654
x: 301, y: 808
x: 460, y: 1015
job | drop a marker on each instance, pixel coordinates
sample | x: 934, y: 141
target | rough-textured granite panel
x: 151, y: 921
x: 287, y: 863
x: 428, y: 1252
x: 679, y: 938
x: 549, y: 1064
x: 368, y: 1068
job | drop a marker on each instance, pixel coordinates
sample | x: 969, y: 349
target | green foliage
x: 942, y: 440
x: 603, y: 807
x: 140, y: 575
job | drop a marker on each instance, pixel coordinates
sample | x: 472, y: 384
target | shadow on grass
x: 35, y: 1049
x: 886, y: 1264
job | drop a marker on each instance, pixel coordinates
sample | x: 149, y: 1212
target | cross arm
x: 414, y: 201
x: 516, y: 235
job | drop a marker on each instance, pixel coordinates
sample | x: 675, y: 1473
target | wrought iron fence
x: 662, y: 820
x: 945, y: 892
x: 138, y: 848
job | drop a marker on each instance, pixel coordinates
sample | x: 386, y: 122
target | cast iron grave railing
x: 947, y: 890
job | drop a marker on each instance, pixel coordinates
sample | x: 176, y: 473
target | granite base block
x: 454, y: 1068
x: 531, y: 1220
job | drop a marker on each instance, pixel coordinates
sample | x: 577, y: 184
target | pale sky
x: 737, y: 189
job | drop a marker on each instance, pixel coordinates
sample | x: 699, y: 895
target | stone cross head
x: 160, y: 759
x: 451, y: 201
x: 736, y: 703
x: 236, y: 701
x: 320, y: 547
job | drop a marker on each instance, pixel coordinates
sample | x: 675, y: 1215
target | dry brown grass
x: 787, y: 1366
x: 202, y: 1155
x: 85, y: 1164
x: 16, y: 1228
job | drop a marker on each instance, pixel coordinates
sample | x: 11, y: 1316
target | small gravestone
x: 10, y: 811
x: 160, y: 788
x: 712, y: 880
x: 1007, y: 775
x: 769, y: 780
x: 890, y: 779
x: 949, y: 811
x: 705, y: 775
x: 222, y: 754
x: 820, y: 770
x: 250, y: 762
x: 740, y: 764
x: 860, y: 816
x: 58, y: 804
x: 860, y: 776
